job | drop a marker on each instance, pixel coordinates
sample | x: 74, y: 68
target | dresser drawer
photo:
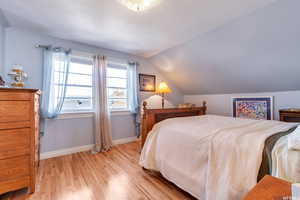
x: 13, y: 111
x: 14, y: 142
x: 15, y: 184
x: 15, y: 96
x: 14, y: 168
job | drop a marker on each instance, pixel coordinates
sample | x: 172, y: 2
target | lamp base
x: 163, y: 100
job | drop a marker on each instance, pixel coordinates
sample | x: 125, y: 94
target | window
x: 117, y: 86
x: 79, y: 91
x: 80, y: 85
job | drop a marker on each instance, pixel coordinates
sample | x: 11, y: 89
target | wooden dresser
x: 19, y: 139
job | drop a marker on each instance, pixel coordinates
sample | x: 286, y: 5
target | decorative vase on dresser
x: 19, y: 138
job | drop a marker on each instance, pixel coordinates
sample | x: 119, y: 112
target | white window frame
x: 79, y: 113
x: 124, y: 111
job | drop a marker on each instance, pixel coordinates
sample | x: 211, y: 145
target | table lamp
x: 163, y: 89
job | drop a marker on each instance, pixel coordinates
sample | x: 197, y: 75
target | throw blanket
x: 266, y: 165
x: 285, y: 161
x: 211, y: 157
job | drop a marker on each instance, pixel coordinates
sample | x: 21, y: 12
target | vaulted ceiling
x: 203, y: 46
x: 255, y: 53
x: 109, y: 24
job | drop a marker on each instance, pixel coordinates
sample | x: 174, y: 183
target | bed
x: 211, y: 157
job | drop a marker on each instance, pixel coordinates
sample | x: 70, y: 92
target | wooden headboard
x: 153, y: 116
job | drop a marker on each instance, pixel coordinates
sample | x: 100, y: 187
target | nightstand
x: 290, y: 115
x: 270, y: 188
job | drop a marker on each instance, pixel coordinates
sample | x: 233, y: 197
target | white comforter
x: 211, y: 157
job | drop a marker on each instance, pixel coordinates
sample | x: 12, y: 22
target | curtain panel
x: 102, y: 123
x: 56, y: 62
x: 134, y: 96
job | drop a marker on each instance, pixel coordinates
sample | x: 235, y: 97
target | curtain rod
x: 42, y: 46
x: 49, y: 46
x: 113, y: 58
x: 54, y: 48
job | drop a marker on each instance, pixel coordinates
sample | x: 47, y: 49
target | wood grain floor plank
x: 113, y: 175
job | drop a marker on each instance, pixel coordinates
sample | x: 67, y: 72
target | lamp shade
x: 163, y: 88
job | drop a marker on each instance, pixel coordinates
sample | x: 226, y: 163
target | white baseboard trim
x: 125, y: 140
x: 63, y: 152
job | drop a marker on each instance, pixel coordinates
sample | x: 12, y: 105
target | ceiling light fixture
x: 139, y: 5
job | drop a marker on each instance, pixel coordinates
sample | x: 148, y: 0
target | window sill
x: 78, y: 115
x: 120, y: 112
x: 75, y: 115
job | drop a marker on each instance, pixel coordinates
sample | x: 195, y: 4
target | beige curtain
x: 102, y: 129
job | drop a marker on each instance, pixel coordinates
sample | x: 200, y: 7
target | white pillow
x: 294, y: 139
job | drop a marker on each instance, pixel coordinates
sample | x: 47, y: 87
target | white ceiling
x: 108, y: 24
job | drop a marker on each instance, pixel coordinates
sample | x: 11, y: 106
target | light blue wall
x: 3, y: 24
x: 221, y: 104
x: 67, y: 133
x: 1, y: 48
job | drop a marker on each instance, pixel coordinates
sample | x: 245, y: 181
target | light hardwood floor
x: 114, y: 175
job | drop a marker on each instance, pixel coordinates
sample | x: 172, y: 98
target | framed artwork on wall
x: 147, y: 83
x: 253, y: 107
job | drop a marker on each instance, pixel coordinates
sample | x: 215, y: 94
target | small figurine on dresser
x: 18, y: 76
x: 2, y: 82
